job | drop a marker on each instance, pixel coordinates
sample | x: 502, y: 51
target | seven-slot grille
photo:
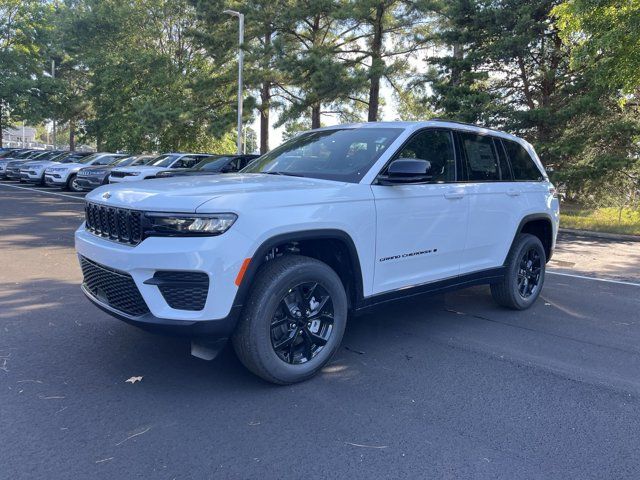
x: 116, y: 289
x: 119, y: 224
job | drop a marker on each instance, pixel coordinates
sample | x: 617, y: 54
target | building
x: 20, y: 137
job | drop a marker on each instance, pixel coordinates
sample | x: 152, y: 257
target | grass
x: 610, y: 220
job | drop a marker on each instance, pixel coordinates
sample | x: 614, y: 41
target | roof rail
x: 460, y: 123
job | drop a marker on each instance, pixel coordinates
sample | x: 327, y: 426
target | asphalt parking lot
x: 448, y: 386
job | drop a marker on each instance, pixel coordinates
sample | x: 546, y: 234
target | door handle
x: 513, y: 192
x: 454, y: 194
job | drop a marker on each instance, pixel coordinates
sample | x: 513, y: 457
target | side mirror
x: 407, y: 170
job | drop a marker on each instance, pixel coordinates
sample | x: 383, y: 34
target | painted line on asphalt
x: 81, y: 199
x: 606, y: 280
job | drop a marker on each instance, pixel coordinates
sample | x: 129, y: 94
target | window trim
x: 396, y: 154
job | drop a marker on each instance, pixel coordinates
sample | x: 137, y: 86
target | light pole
x: 53, y: 75
x: 240, y: 65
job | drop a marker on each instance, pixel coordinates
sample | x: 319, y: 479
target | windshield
x: 89, y: 159
x: 213, y: 164
x: 71, y: 157
x: 163, y: 161
x: 344, y: 155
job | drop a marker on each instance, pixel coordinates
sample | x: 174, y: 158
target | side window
x: 505, y: 168
x: 436, y: 146
x: 521, y: 163
x: 482, y: 159
x: 232, y: 166
x: 189, y: 162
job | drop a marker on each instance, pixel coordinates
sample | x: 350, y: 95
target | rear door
x: 421, y: 228
x: 495, y: 201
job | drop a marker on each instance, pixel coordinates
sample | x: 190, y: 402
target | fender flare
x: 258, y: 258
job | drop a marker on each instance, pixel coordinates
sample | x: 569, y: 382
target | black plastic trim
x: 462, y: 281
x: 528, y: 218
x: 259, y: 258
x: 219, y: 328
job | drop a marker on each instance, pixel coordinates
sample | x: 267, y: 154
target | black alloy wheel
x: 529, y: 273
x: 302, y: 323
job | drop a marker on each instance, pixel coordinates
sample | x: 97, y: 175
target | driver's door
x: 421, y: 228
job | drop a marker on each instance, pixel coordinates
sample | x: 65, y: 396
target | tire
x: 509, y: 292
x: 71, y: 184
x: 256, y: 338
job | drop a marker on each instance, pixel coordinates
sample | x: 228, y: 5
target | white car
x: 160, y: 164
x: 33, y: 171
x: 335, y: 220
x: 65, y: 175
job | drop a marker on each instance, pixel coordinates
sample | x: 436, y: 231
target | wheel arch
x: 540, y: 225
x: 315, y: 244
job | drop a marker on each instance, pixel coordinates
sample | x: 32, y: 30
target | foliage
x: 607, y: 38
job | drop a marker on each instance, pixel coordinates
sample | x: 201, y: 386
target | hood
x: 146, y: 168
x: 97, y: 168
x: 61, y: 167
x: 38, y: 164
x: 229, y: 193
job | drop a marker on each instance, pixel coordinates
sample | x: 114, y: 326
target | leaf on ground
x: 133, y: 380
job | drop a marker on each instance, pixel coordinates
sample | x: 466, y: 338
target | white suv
x: 333, y: 221
x: 65, y: 176
x: 160, y: 164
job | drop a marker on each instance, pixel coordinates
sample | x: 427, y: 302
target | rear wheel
x: 293, y: 321
x: 524, y: 277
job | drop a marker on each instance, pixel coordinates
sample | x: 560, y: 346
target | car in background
x: 33, y: 171
x: 64, y: 176
x: 214, y: 165
x: 23, y: 155
x: 5, y: 152
x: 91, y: 177
x: 12, y: 170
x: 167, y: 161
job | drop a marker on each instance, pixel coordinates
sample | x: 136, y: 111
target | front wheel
x: 73, y: 185
x: 524, y: 277
x: 293, y: 321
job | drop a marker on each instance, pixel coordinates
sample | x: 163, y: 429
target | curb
x: 608, y: 236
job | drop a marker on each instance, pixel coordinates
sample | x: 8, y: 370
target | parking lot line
x: 607, y: 280
x: 43, y: 192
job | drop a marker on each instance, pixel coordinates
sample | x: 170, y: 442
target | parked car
x: 163, y: 162
x: 21, y: 156
x: 65, y: 175
x: 214, y: 165
x: 335, y: 220
x: 33, y: 171
x: 12, y: 170
x: 91, y: 177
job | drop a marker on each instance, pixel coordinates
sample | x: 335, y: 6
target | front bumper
x: 32, y: 177
x: 218, y: 257
x: 90, y: 182
x: 54, y: 179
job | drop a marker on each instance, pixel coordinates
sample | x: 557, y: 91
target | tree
x: 606, y: 36
x: 150, y: 86
x: 23, y: 29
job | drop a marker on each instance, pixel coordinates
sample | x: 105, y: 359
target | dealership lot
x: 448, y: 386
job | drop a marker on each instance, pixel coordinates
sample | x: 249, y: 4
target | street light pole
x: 53, y: 75
x: 240, y: 67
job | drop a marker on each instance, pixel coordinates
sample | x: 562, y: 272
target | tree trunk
x: 1, y: 127
x: 377, y: 64
x: 72, y: 135
x: 458, y: 55
x: 265, y: 98
x: 315, y: 116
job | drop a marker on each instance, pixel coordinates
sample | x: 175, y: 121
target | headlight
x: 187, y: 224
x: 133, y: 174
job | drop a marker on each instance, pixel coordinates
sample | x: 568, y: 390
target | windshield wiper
x: 286, y: 174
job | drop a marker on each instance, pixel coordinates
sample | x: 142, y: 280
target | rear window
x: 522, y: 164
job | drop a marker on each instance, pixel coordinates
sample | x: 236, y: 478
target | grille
x: 116, y: 289
x: 182, y: 290
x: 119, y: 224
x: 118, y: 174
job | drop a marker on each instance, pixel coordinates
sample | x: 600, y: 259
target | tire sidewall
x: 271, y: 297
x: 70, y: 184
x: 527, y: 242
